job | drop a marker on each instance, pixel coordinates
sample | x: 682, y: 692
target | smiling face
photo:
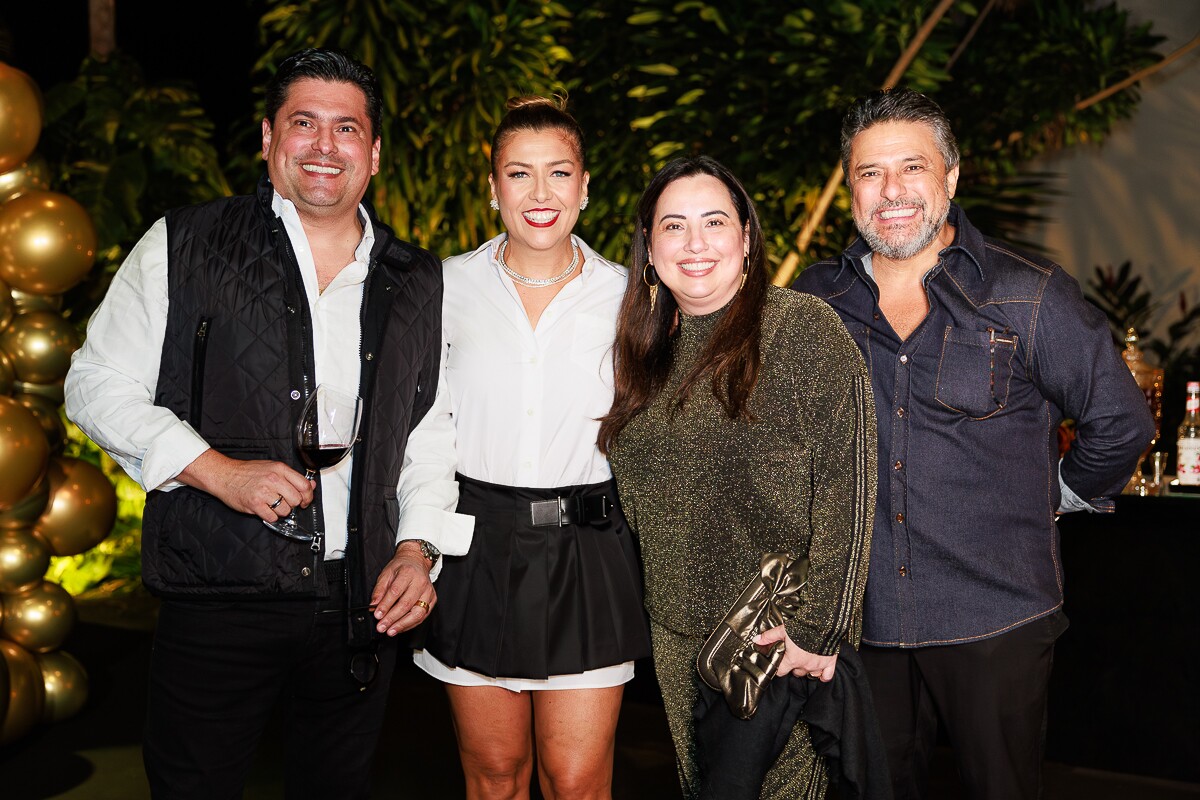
x: 320, y: 153
x: 539, y: 185
x: 901, y: 189
x: 698, y: 244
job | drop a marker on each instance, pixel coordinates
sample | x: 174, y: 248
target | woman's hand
x: 797, y: 661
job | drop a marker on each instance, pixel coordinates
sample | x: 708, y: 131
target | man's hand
x: 798, y: 661
x: 403, y: 595
x: 267, y: 489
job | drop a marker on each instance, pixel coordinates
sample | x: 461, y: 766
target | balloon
x: 20, y: 116
x: 24, y: 558
x: 40, y: 345
x: 83, y: 507
x: 26, y: 692
x: 48, y: 417
x: 26, y: 511
x: 8, y: 306
x: 7, y: 374
x: 66, y: 684
x: 47, y: 242
x: 40, y: 618
x: 24, y: 452
x: 24, y: 301
x: 51, y: 391
x: 33, y: 174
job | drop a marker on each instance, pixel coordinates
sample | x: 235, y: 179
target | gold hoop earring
x: 646, y: 273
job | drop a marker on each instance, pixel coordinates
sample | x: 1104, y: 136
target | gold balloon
x: 48, y: 417
x: 24, y: 452
x: 8, y: 306
x: 33, y: 174
x: 40, y: 618
x: 83, y: 507
x: 51, y: 391
x: 24, y: 558
x: 3, y: 687
x: 47, y: 242
x: 7, y: 374
x: 26, y: 692
x: 20, y: 116
x: 26, y: 511
x: 40, y: 345
x: 66, y: 684
x: 24, y: 301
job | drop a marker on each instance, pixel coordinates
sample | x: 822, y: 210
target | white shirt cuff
x: 169, y: 455
x: 450, y: 533
x: 1069, y: 501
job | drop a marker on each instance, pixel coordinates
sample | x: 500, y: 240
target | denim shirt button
x: 899, y: 518
x: 900, y: 411
x: 898, y: 465
x: 903, y: 359
x: 903, y: 571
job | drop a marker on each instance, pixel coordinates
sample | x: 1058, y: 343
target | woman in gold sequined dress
x: 742, y: 423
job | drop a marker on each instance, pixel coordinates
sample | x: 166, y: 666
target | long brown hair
x: 643, y: 349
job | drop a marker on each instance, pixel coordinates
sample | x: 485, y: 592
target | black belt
x: 576, y: 510
x: 335, y: 570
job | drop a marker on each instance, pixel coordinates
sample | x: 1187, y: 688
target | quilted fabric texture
x: 236, y: 364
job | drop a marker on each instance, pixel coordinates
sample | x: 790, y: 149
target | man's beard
x: 915, y: 243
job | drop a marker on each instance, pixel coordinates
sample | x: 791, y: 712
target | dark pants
x: 218, y: 670
x: 991, y: 697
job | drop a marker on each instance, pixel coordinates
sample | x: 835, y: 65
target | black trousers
x: 218, y: 670
x: 991, y: 697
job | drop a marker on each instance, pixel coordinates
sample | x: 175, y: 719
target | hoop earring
x: 495, y: 204
x: 583, y: 205
x: 745, y: 271
x: 647, y: 272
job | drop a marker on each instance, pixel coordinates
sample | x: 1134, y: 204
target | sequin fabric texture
x: 708, y: 496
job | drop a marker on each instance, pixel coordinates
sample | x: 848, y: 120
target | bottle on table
x: 1187, y: 456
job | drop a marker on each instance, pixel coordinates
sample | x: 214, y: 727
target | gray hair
x: 898, y: 105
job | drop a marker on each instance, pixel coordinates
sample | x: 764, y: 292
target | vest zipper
x: 199, y: 352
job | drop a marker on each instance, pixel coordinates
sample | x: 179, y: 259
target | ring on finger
x: 275, y: 505
x: 423, y: 604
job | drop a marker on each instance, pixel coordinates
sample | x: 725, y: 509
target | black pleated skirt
x: 531, y: 602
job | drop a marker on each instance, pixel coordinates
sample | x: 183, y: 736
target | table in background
x: 1125, y: 693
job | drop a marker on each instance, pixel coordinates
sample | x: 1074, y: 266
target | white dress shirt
x: 111, y: 386
x: 527, y: 401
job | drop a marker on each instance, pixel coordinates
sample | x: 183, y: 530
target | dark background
x: 208, y: 46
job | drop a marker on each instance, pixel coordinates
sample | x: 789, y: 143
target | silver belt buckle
x: 547, y: 512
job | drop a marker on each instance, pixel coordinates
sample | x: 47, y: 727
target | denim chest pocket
x: 975, y: 371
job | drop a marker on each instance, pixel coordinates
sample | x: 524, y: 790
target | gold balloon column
x: 50, y: 505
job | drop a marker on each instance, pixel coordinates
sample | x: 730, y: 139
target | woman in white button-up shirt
x: 537, y: 627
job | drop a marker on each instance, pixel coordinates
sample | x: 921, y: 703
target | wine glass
x: 325, y: 434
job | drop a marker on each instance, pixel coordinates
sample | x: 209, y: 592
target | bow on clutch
x: 729, y: 661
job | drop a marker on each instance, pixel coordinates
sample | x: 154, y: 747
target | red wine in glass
x: 325, y: 434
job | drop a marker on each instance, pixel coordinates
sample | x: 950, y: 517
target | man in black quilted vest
x: 220, y: 324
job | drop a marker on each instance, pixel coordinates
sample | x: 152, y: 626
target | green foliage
x: 127, y: 151
x: 446, y: 68
x: 762, y: 89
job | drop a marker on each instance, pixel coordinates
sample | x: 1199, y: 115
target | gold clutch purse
x: 729, y: 661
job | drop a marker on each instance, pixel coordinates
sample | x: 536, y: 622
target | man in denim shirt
x: 977, y: 352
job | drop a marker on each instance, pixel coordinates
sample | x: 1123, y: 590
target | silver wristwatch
x: 427, y: 550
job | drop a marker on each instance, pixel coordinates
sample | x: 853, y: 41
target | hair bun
x: 557, y: 102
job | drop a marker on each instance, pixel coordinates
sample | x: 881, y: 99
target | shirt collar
x: 286, y: 210
x: 591, y: 259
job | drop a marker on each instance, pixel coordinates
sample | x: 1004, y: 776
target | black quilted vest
x: 237, y: 365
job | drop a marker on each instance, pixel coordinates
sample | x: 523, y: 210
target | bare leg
x: 494, y: 740
x: 576, y: 731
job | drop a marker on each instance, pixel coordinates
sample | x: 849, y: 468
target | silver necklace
x: 537, y: 282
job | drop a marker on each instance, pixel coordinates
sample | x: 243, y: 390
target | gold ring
x: 423, y: 604
x: 275, y: 505
x: 814, y: 674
